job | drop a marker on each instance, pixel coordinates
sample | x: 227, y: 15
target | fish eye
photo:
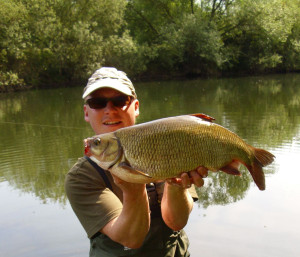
x: 97, y: 141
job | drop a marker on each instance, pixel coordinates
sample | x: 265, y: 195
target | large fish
x: 165, y: 148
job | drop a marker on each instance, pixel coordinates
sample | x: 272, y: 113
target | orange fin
x: 126, y: 166
x: 257, y: 174
x: 264, y: 157
x: 203, y: 116
x: 231, y: 170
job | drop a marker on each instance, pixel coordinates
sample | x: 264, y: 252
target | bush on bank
x: 61, y: 42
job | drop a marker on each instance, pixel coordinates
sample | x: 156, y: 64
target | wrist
x: 135, y: 195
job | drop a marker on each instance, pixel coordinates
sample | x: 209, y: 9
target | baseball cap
x: 109, y: 77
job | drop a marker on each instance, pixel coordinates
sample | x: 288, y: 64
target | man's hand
x: 188, y: 178
x: 177, y: 202
x: 129, y: 188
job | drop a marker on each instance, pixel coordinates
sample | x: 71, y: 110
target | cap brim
x: 108, y: 83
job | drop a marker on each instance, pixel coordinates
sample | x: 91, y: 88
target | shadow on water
x: 42, y: 131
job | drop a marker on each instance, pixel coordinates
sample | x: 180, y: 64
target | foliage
x: 255, y: 33
x: 58, y: 42
x: 10, y: 82
x: 12, y: 42
x: 61, y: 42
x: 185, y: 41
x: 194, y: 46
x: 123, y: 52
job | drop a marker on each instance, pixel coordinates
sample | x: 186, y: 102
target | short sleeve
x: 93, y: 203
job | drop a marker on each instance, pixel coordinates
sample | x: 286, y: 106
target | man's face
x: 110, y: 118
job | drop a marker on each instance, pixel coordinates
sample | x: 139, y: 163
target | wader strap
x: 154, y: 202
x: 101, y: 172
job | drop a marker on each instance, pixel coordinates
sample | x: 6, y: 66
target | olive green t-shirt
x: 93, y: 203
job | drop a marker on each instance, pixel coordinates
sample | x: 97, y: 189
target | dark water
x: 41, y: 138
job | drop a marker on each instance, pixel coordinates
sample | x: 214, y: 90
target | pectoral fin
x: 127, y: 166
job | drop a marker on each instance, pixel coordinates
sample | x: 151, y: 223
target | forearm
x: 131, y: 227
x: 176, y: 206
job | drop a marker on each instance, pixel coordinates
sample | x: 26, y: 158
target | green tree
x: 13, y: 40
x: 61, y: 42
x: 256, y: 32
x: 192, y: 47
x: 147, y: 18
x: 291, y: 48
x: 67, y: 37
x: 56, y: 43
x: 183, y: 39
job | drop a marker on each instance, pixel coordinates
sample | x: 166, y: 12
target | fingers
x: 174, y: 182
x: 202, y: 171
x: 185, y: 180
x: 196, y: 178
x: 188, y: 178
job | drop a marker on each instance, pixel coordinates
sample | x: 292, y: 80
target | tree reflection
x: 42, y: 131
x: 41, y: 138
x: 221, y: 189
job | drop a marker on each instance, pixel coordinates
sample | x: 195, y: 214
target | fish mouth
x: 87, y: 150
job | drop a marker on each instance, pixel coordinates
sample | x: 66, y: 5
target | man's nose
x: 110, y: 107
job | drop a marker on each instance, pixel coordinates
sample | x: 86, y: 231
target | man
x: 121, y: 218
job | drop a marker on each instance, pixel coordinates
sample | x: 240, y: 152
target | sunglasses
x: 101, y: 102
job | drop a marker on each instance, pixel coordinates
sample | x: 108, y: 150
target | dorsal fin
x: 203, y: 116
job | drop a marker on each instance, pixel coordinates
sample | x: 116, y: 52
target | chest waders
x: 161, y: 241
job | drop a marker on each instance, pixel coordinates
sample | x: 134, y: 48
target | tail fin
x: 257, y: 174
x: 262, y: 158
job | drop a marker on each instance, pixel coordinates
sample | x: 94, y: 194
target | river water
x: 41, y: 135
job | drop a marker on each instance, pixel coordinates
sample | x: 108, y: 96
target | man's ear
x: 86, y: 114
x: 136, y: 108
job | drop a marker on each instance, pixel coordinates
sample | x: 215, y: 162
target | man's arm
x: 176, y: 206
x: 132, y: 226
x: 177, y: 202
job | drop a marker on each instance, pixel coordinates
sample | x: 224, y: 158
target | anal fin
x: 232, y: 168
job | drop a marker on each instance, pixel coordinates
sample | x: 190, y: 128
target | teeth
x: 111, y: 122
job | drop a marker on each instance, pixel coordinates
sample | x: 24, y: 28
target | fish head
x: 104, y: 149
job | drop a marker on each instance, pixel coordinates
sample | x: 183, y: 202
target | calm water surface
x: 41, y: 138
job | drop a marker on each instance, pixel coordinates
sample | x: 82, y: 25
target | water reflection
x: 42, y: 131
x: 39, y: 142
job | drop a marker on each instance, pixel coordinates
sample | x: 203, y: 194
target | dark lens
x: 121, y: 100
x: 100, y: 103
x: 97, y: 103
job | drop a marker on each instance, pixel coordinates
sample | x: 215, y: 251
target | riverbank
x: 145, y: 77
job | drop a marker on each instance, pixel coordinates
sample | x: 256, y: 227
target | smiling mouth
x: 112, y: 122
